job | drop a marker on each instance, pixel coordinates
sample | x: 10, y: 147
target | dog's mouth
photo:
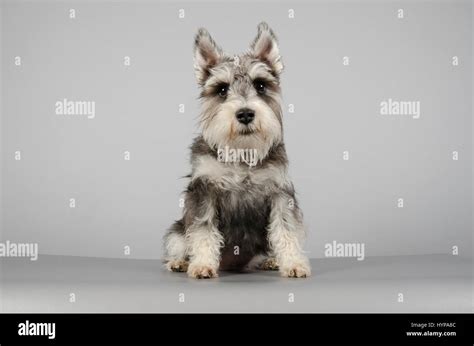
x: 247, y: 131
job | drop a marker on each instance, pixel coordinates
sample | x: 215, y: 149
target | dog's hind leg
x: 263, y: 262
x: 269, y: 263
x: 255, y: 262
x: 175, y: 248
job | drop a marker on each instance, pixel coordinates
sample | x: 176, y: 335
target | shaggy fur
x: 237, y: 215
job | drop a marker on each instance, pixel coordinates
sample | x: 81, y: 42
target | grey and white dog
x: 239, y: 213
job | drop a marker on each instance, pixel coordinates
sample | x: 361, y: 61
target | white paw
x: 199, y: 271
x: 177, y: 265
x: 300, y: 269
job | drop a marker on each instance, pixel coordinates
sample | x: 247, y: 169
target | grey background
x: 337, y: 108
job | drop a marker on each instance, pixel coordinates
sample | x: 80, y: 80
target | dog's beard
x: 223, y: 130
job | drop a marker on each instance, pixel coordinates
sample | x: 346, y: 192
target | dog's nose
x: 245, y: 116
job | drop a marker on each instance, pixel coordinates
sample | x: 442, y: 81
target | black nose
x: 245, y: 116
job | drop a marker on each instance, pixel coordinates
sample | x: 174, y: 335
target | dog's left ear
x: 265, y: 48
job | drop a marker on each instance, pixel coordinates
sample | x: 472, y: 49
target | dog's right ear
x: 206, y: 55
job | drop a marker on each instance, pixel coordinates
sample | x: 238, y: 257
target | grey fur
x: 246, y: 201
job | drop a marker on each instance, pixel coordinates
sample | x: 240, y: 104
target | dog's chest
x: 230, y: 177
x: 243, y: 205
x: 243, y: 201
x: 243, y: 218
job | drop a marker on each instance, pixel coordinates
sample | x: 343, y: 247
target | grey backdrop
x: 132, y: 202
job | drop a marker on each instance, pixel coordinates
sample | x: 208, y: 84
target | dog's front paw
x: 177, y: 265
x: 300, y: 269
x: 199, y: 271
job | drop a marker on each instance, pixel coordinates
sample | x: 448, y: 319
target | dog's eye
x: 260, y: 86
x: 222, y: 90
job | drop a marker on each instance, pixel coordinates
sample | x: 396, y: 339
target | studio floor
x: 434, y: 283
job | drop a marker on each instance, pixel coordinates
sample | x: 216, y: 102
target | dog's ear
x: 265, y: 48
x: 206, y: 55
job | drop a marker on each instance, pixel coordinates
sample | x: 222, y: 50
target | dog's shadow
x: 233, y: 277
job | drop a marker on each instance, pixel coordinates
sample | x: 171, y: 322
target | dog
x: 240, y: 210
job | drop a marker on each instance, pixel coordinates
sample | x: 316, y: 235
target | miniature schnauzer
x: 239, y: 212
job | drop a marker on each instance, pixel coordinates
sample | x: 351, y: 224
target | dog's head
x: 240, y: 94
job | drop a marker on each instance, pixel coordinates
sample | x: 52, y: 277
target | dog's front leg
x: 204, y: 240
x: 285, y: 236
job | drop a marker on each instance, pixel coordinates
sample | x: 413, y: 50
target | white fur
x: 285, y: 234
x: 204, y: 244
x: 175, y: 247
x: 271, y: 174
x: 261, y: 70
x: 220, y: 74
x: 229, y: 176
x: 175, y: 252
x: 222, y: 129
